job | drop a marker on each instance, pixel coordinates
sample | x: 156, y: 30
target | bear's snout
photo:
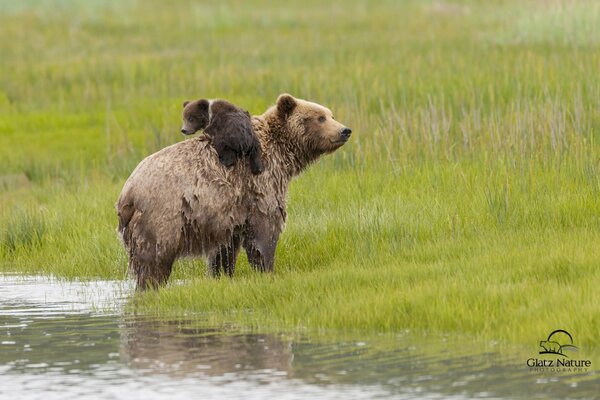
x: 186, y: 131
x: 345, y: 134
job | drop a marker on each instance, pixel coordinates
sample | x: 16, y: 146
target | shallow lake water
x: 61, y: 340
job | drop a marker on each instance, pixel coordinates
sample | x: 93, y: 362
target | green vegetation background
x: 466, y: 201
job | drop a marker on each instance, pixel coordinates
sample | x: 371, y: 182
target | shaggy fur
x: 229, y: 128
x: 181, y: 201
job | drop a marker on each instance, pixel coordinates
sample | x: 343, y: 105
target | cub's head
x: 196, y: 116
x: 311, y: 126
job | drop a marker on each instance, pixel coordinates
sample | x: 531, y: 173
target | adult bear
x: 181, y: 201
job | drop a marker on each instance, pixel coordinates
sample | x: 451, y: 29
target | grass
x: 465, y: 203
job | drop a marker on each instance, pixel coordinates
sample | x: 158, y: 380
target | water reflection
x: 396, y: 364
x: 186, y: 348
x: 74, y: 340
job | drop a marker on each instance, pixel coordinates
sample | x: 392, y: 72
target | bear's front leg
x: 227, y: 155
x: 260, y: 244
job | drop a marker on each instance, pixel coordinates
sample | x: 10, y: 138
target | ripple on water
x: 65, y: 340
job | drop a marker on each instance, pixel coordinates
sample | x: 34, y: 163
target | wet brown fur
x: 182, y: 202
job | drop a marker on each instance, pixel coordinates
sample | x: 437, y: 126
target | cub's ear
x: 203, y: 104
x: 185, y: 103
x: 285, y: 105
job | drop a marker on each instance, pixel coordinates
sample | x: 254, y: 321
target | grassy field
x: 467, y: 201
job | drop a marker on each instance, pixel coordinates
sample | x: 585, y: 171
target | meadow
x: 465, y: 203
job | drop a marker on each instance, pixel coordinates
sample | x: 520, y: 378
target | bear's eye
x: 191, y: 119
x: 321, y: 119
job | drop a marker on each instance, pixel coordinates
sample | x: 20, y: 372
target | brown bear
x: 181, y: 201
x: 229, y: 127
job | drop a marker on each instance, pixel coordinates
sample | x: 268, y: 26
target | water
x: 73, y: 340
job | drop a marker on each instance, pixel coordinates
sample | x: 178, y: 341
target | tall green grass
x: 465, y: 202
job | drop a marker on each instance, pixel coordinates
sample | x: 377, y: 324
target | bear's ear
x: 285, y: 105
x: 185, y: 103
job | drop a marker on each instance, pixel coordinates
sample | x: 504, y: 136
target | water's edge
x: 71, y: 339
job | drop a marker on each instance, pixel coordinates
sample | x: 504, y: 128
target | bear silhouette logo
x: 557, y: 342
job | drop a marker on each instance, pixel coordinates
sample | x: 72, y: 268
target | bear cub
x: 229, y: 127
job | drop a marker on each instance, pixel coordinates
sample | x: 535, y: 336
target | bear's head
x: 196, y: 116
x: 311, y: 126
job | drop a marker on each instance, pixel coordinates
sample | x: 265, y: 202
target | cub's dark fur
x: 228, y: 126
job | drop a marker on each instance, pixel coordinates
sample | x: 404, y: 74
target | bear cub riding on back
x: 229, y: 127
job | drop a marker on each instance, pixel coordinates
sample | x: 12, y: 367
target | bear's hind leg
x: 151, y: 274
x: 256, y: 165
x: 225, y: 258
